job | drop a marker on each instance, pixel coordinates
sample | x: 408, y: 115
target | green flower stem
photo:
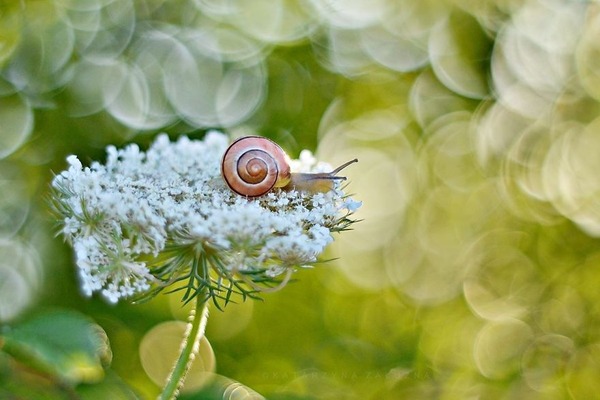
x: 189, y: 346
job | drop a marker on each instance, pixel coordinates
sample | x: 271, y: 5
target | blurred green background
x: 475, y: 272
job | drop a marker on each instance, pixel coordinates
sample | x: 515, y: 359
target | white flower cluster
x: 119, y: 217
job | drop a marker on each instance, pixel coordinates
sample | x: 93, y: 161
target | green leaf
x: 112, y: 387
x: 65, y: 344
x: 19, y: 382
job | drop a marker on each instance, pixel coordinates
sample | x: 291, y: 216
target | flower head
x: 145, y: 221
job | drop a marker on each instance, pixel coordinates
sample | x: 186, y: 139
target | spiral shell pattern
x: 253, y: 165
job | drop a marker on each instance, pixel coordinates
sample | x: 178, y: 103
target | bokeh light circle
x: 159, y: 349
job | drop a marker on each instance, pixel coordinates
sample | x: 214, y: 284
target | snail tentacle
x: 318, y: 182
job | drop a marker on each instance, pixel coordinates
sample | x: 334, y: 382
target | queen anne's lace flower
x: 144, y: 221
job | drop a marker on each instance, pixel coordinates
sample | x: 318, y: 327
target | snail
x: 253, y: 165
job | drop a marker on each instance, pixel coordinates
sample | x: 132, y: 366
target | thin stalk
x: 189, y: 347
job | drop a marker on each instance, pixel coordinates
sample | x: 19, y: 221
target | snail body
x: 253, y: 165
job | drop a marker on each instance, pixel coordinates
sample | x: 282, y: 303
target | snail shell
x: 254, y: 165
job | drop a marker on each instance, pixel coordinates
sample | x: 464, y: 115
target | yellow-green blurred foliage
x: 475, y: 272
